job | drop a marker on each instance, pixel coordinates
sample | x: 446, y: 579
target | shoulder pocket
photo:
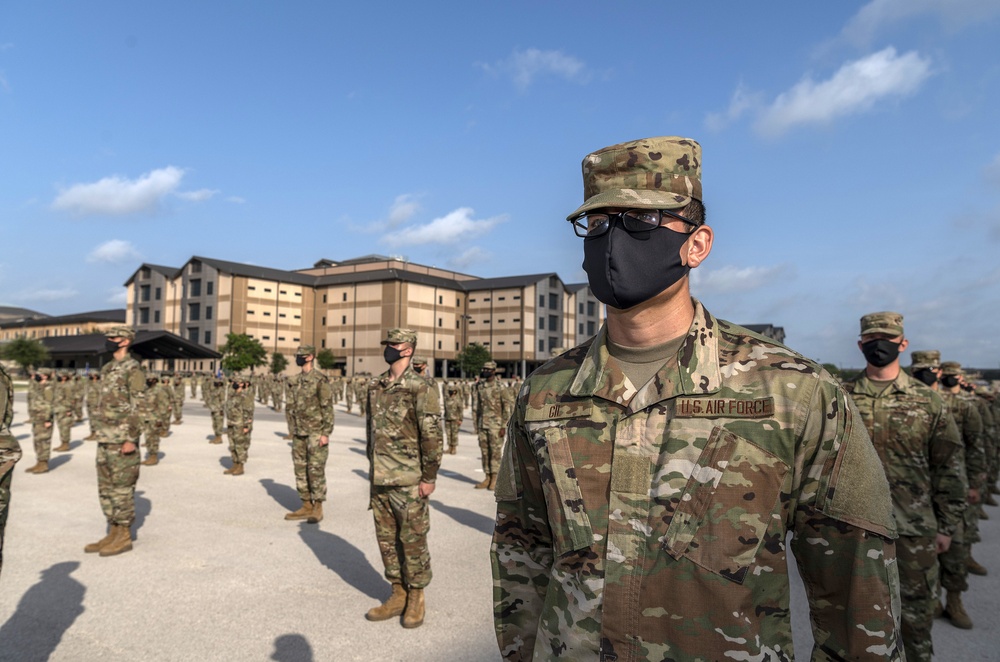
x: 727, y: 505
x: 568, y: 518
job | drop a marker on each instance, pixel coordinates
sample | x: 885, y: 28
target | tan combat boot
x: 236, y: 470
x: 301, y: 513
x: 62, y: 448
x: 121, y: 542
x: 413, y: 617
x: 493, y: 482
x: 151, y: 460
x: 983, y: 515
x: 316, y: 516
x: 40, y: 468
x: 484, y: 484
x: 452, y: 450
x: 95, y: 547
x: 955, y: 611
x: 286, y: 436
x: 392, y: 607
x: 975, y: 567
x: 217, y: 439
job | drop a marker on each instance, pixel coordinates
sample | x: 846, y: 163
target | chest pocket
x: 727, y: 505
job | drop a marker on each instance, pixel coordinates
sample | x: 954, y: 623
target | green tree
x: 278, y: 363
x: 326, y: 360
x: 24, y: 352
x: 241, y: 352
x: 472, y: 358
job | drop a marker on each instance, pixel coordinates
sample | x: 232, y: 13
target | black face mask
x: 150, y: 383
x: 926, y: 375
x: 881, y: 352
x: 486, y: 374
x: 38, y: 378
x: 111, y: 345
x: 626, y: 269
x: 968, y: 388
x: 950, y: 381
x: 391, y: 354
x: 300, y: 361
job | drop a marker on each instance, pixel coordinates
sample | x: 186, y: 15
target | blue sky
x: 851, y: 151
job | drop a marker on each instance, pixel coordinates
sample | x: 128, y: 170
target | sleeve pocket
x: 570, y: 524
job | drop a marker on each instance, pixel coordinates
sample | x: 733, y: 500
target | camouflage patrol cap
x: 926, y: 358
x: 120, y: 331
x: 45, y: 371
x: 652, y: 173
x: 884, y: 322
x: 490, y: 365
x: 395, y: 336
x: 951, y: 368
x: 305, y: 350
x: 419, y: 360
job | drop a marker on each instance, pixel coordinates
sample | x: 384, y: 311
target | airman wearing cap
x: 419, y: 364
x: 583, y: 461
x: 925, y: 365
x: 310, y: 421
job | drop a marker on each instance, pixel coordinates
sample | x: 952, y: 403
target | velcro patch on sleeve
x: 724, y: 408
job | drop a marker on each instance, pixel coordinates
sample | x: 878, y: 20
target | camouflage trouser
x: 362, y: 406
x: 78, y: 410
x: 93, y: 423
x: 153, y: 430
x: 239, y: 444
x: 218, y: 422
x: 491, y: 446
x: 276, y: 401
x: 402, y: 520
x: 452, y: 428
x: 919, y: 590
x: 954, y: 571
x: 309, y: 461
x: 178, y: 406
x: 117, y: 475
x: 194, y: 391
x: 5, y: 479
x: 64, y: 421
x: 43, y: 441
x: 349, y: 401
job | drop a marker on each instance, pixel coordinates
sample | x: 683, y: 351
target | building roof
x: 390, y: 274
x: 113, y: 315
x: 147, y: 345
x: 15, y: 313
x: 505, y: 281
x: 576, y: 287
x: 253, y: 271
x: 168, y: 272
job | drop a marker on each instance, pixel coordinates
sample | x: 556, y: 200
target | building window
x: 456, y: 346
x: 343, y: 342
x: 158, y: 293
x: 144, y: 293
x: 581, y: 328
x: 439, y: 344
x: 501, y: 321
x: 541, y: 300
x: 281, y: 314
x: 345, y: 297
x: 195, y: 287
x: 440, y: 322
x: 440, y: 300
x: 322, y: 343
x: 323, y: 323
x: 251, y: 287
x: 517, y: 298
x: 590, y: 329
x: 554, y: 301
x: 209, y: 288
x: 267, y: 289
x: 501, y: 298
x: 553, y: 323
x: 516, y: 342
x: 500, y: 342
x: 486, y: 299
x: 250, y: 312
x: 458, y: 325
x: 298, y: 317
x: 324, y: 298
x: 281, y: 337
x: 458, y: 302
x: 591, y: 308
x: 553, y: 281
x: 472, y: 300
x: 282, y: 292
x: 208, y: 312
x: 298, y: 294
x: 517, y: 319
x: 196, y: 267
x: 265, y: 337
x: 208, y: 337
x: 156, y: 317
x: 193, y: 335
x: 144, y: 316
x: 343, y: 319
x: 581, y: 308
x: 472, y: 321
x: 541, y: 322
x: 144, y: 273
x: 541, y: 345
x: 295, y: 339
x: 194, y: 312
x: 553, y: 343
x: 267, y: 313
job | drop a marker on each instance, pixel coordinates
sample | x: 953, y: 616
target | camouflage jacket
x: 310, y: 404
x: 493, y: 406
x: 453, y: 405
x: 93, y: 396
x: 970, y: 425
x: 122, y: 382
x: 239, y: 409
x: 215, y: 396
x: 404, y: 429
x: 41, y: 405
x: 62, y: 397
x: 648, y: 522
x: 162, y: 401
x: 10, y: 450
x: 921, y: 452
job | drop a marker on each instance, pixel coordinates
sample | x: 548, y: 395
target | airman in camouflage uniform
x: 349, y: 393
x: 62, y: 402
x: 924, y: 459
x: 154, y: 406
x: 93, y: 398
x: 360, y: 389
x: 310, y: 413
x: 493, y: 407
x: 647, y: 490
x: 178, y: 404
x: 404, y: 452
x: 122, y: 382
x: 453, y: 415
x: 41, y: 410
x: 10, y: 451
x: 79, y: 387
x: 239, y: 417
x: 955, y: 562
x: 215, y: 398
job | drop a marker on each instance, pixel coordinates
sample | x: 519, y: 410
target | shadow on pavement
x: 292, y: 648
x: 226, y: 462
x: 73, y: 445
x: 346, y: 560
x: 142, y: 508
x: 359, y: 451
x: 361, y: 473
x: 467, y: 517
x: 454, y: 475
x: 57, y: 461
x: 286, y: 496
x: 360, y: 441
x: 46, y: 611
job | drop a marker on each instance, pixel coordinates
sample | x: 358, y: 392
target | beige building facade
x: 77, y: 324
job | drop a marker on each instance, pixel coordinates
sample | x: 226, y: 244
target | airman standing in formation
x: 493, y: 410
x: 178, y: 386
x: 62, y: 402
x: 41, y: 409
x: 79, y: 387
x: 453, y: 414
x: 239, y: 418
x: 360, y: 394
x: 404, y: 452
x: 348, y: 393
x: 215, y: 398
x: 155, y: 407
x: 93, y: 398
x: 122, y: 382
x: 311, y: 419
x: 10, y: 451
x: 923, y: 458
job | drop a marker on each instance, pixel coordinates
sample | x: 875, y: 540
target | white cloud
x: 114, y: 251
x: 725, y: 280
x: 197, y: 196
x: 118, y: 196
x: 448, y: 229
x: 402, y: 209
x: 469, y: 257
x: 877, y: 15
x: 524, y: 66
x: 237, y: 200
x: 855, y: 88
x: 743, y: 100
x: 118, y: 296
x: 48, y: 294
